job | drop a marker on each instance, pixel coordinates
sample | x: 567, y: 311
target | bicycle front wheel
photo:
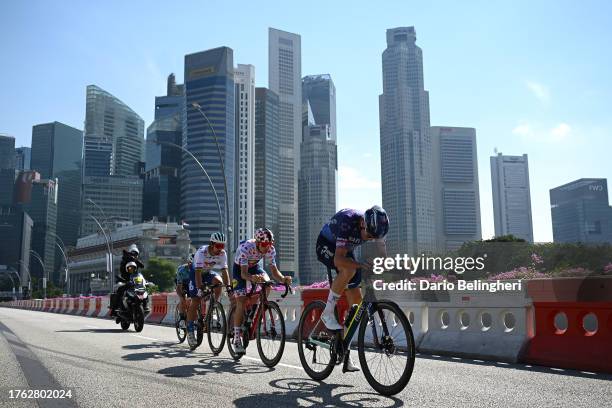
x: 316, y: 343
x: 271, y: 334
x: 216, y: 328
x: 386, y: 348
x: 181, y: 333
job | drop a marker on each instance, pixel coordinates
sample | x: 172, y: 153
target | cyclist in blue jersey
x: 182, y: 286
x: 346, y: 230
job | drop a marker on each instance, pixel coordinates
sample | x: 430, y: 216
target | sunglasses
x: 218, y: 246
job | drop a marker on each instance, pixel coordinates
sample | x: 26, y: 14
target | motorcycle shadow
x: 213, y: 366
x: 297, y: 391
x: 91, y: 331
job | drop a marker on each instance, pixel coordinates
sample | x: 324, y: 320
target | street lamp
x: 62, y: 249
x: 29, y: 276
x: 203, y: 171
x: 227, y: 221
x: 39, y: 259
x: 109, y: 269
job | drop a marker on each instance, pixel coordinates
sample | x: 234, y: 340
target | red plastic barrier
x: 573, y: 347
x: 98, y: 306
x: 159, y: 308
x: 86, y: 302
x: 47, y: 305
x: 310, y: 295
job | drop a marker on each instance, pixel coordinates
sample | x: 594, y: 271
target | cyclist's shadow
x: 213, y: 365
x: 300, y: 391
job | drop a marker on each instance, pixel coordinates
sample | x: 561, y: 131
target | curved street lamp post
x: 39, y: 259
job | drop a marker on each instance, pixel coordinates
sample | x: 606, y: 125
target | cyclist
x: 346, y: 230
x: 208, y: 257
x: 247, y: 270
x: 182, y: 286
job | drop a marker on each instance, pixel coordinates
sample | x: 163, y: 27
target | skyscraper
x: 23, y: 157
x: 162, y: 185
x: 244, y: 76
x: 7, y: 169
x: 267, y: 186
x: 456, y: 191
x: 581, y: 211
x: 284, y: 78
x: 405, y: 146
x: 57, y: 151
x: 318, y: 171
x: 113, y: 149
x: 209, y: 81
x: 511, y: 196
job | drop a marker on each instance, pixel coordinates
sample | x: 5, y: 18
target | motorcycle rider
x: 131, y: 255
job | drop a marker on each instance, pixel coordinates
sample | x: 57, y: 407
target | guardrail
x: 548, y: 322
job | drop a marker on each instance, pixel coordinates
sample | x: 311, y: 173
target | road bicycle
x: 264, y: 321
x: 211, y: 320
x: 385, y: 343
x: 180, y: 324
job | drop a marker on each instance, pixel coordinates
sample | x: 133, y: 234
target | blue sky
x: 531, y: 77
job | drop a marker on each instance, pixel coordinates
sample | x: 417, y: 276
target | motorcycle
x: 134, y: 302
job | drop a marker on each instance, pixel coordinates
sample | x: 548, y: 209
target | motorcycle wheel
x: 125, y: 325
x: 139, y: 319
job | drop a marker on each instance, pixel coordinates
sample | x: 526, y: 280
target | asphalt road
x: 104, y: 366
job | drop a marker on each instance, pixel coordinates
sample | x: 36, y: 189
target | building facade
x: 23, y: 157
x: 162, y: 184
x: 7, y: 169
x: 113, y: 149
x: 318, y: 171
x: 209, y: 82
x: 511, y: 196
x: 15, y: 241
x: 267, y: 185
x: 405, y: 146
x: 285, y: 79
x: 244, y: 220
x: 456, y: 190
x: 57, y: 151
x: 581, y: 212
x: 165, y: 240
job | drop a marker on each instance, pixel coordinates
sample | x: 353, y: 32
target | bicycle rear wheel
x: 271, y: 334
x: 200, y: 325
x: 386, y: 348
x: 316, y: 344
x: 180, y: 332
x: 216, y: 328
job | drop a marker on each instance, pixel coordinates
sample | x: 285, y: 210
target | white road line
x: 280, y: 364
x: 144, y: 337
x: 91, y: 327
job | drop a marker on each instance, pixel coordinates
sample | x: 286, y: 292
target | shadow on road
x: 91, y: 331
x: 161, y: 350
x: 214, y: 365
x: 294, y: 391
x: 519, y: 366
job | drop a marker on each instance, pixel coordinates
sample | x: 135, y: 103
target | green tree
x: 161, y: 272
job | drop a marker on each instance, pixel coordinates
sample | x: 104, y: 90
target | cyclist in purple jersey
x: 347, y: 229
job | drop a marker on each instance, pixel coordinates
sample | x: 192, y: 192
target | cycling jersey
x: 204, y: 260
x: 247, y: 254
x: 182, y: 273
x: 343, y: 230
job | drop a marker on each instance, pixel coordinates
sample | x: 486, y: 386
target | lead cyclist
x: 346, y: 230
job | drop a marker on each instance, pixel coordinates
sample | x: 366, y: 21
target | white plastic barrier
x: 92, y: 306
x: 104, y: 310
x: 172, y: 300
x: 291, y: 308
x: 483, y: 325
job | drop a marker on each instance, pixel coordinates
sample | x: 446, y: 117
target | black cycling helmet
x: 377, y: 222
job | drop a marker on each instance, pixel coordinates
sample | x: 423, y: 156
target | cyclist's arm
x: 198, y: 277
x: 225, y: 276
x: 341, y: 260
x: 244, y: 273
x: 276, y: 274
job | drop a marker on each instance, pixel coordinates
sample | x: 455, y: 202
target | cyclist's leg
x: 239, y: 285
x: 213, y: 278
x: 180, y: 291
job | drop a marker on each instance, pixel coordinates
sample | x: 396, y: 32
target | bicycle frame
x: 263, y: 300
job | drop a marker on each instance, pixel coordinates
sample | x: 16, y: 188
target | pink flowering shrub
x: 432, y: 278
x: 519, y: 273
x: 608, y: 268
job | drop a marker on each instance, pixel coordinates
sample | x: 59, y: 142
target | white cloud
x: 560, y: 132
x: 351, y: 179
x: 539, y: 90
x: 367, y: 155
x: 523, y: 129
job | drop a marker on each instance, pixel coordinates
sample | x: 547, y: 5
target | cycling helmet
x: 264, y: 235
x: 190, y: 258
x: 377, y: 222
x: 218, y: 237
x: 133, y: 249
x: 131, y: 265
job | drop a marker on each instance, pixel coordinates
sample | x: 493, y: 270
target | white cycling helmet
x: 131, y: 265
x: 218, y: 238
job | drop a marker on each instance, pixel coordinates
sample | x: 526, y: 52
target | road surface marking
x: 280, y: 364
x: 91, y: 327
x: 144, y: 337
